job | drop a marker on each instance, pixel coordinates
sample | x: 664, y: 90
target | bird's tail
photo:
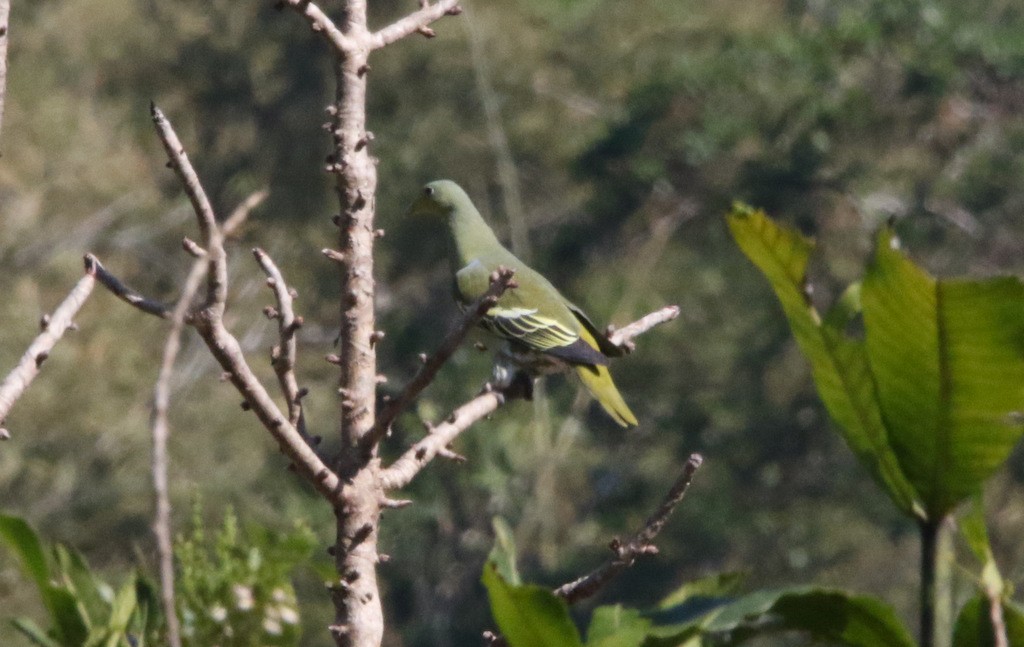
x: 598, y: 381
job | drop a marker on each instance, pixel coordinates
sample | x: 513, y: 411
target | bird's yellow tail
x: 599, y: 382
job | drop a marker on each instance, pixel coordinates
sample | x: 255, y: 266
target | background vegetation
x: 632, y: 127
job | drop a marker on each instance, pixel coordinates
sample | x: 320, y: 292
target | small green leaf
x: 529, y: 615
x: 717, y: 585
x: 974, y: 624
x: 21, y: 539
x: 34, y: 633
x: 124, y: 606
x: 972, y: 526
x: 825, y: 614
x: 503, y: 554
x: 69, y: 626
x: 79, y: 579
x: 617, y: 626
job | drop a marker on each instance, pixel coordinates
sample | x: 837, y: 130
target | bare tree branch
x: 409, y: 464
x: 160, y: 429
x: 53, y: 326
x: 228, y: 353
x: 321, y: 23
x: 642, y: 543
x: 217, y: 277
x: 500, y: 281
x: 282, y: 356
x: 5, y: 12
x: 622, y: 337
x: 122, y: 291
x: 414, y: 22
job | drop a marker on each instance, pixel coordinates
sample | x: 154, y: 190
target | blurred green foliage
x: 234, y: 587
x: 633, y: 126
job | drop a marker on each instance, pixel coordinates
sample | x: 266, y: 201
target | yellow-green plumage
x: 534, y: 314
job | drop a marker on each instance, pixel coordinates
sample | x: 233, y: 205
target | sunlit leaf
x: 616, y: 626
x: 839, y: 363
x: 824, y: 614
x: 529, y: 615
x: 948, y: 362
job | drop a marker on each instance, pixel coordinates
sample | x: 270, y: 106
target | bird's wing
x: 529, y: 315
x: 606, y: 347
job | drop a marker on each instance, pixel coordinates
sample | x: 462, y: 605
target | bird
x: 532, y: 315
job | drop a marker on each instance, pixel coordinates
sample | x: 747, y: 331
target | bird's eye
x: 428, y: 191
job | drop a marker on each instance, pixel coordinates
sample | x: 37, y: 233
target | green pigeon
x: 533, y: 315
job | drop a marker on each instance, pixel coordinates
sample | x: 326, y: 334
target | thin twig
x: 160, y: 431
x: 5, y: 12
x: 320, y: 23
x: 414, y: 22
x: 122, y: 291
x: 54, y: 326
x: 160, y: 428
x: 995, y: 614
x: 500, y: 281
x: 623, y: 336
x: 409, y: 464
x: 642, y: 543
x: 282, y: 357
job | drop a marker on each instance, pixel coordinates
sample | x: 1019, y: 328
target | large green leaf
x: 825, y: 614
x: 839, y: 363
x: 529, y: 615
x: 617, y: 626
x: 948, y: 362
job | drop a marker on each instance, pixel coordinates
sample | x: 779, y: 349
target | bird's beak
x: 422, y: 206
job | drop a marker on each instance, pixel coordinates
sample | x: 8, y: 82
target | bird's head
x: 438, y: 199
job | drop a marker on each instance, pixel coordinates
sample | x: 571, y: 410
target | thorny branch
x: 282, y: 356
x: 642, y: 543
x: 208, y: 322
x: 501, y: 280
x: 414, y: 22
x: 409, y: 464
x: 321, y: 23
x: 622, y: 337
x: 53, y: 326
x: 159, y: 427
